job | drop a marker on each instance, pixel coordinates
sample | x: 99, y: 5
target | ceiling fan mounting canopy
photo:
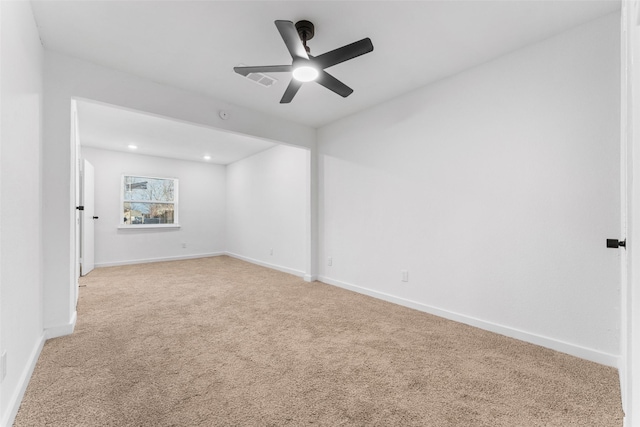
x: 305, y: 67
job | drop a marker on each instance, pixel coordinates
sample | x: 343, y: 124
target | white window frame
x: 126, y: 226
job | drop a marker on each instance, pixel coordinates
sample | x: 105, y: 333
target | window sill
x: 143, y: 226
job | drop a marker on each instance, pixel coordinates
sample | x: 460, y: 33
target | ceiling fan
x: 305, y: 67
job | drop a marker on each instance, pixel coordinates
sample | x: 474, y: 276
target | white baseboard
x: 562, y: 346
x: 295, y: 272
x: 62, y: 330
x: 310, y: 278
x: 23, y: 382
x: 161, y: 259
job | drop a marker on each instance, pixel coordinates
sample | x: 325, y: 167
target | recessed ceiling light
x: 207, y: 157
x: 132, y: 147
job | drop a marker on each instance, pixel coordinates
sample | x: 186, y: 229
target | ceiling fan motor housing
x: 306, y: 30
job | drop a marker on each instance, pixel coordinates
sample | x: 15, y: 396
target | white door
x: 88, y: 218
x: 77, y: 163
x: 630, y: 196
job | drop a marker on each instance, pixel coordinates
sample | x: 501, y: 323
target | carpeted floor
x: 220, y: 342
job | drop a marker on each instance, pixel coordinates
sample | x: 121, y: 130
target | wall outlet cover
x: 405, y: 275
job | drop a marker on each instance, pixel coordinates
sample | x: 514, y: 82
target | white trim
x: 146, y: 226
x: 288, y: 270
x: 23, y: 382
x: 62, y: 330
x: 161, y: 259
x: 562, y: 346
x: 310, y: 278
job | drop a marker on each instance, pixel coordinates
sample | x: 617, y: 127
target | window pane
x: 148, y: 213
x: 138, y: 188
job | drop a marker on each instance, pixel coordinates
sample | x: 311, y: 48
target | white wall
x: 21, y: 331
x: 201, y: 203
x: 267, y: 201
x: 496, y: 189
x: 66, y: 78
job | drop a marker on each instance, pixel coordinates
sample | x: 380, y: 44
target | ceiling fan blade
x: 344, y: 53
x: 291, y: 91
x: 245, y: 71
x: 291, y: 38
x: 333, y: 84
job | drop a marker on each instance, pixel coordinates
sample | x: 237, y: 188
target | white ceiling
x: 194, y: 45
x: 110, y: 128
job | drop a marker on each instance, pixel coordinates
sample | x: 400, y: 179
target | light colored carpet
x: 220, y: 342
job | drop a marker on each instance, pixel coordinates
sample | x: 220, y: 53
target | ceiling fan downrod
x: 306, y: 31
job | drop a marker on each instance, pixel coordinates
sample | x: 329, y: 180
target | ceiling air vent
x: 261, y: 79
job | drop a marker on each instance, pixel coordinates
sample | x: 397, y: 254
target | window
x: 149, y: 202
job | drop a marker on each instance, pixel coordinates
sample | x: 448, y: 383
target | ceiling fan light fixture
x: 305, y: 73
x: 305, y: 67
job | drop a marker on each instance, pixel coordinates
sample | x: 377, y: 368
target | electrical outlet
x: 184, y: 245
x: 405, y: 275
x: 3, y: 365
x: 330, y: 261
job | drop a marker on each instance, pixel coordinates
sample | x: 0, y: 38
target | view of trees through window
x: 149, y: 200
